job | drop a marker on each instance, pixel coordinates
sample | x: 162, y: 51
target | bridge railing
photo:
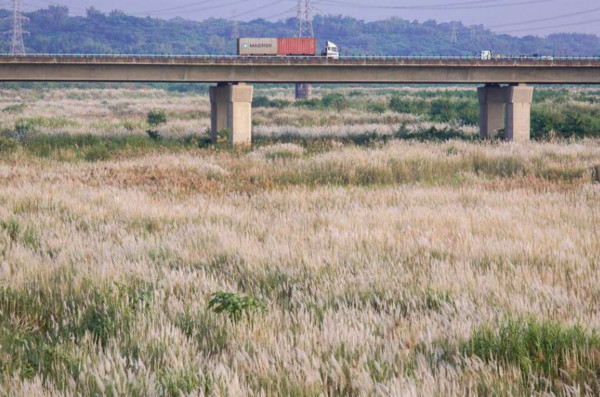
x: 343, y: 57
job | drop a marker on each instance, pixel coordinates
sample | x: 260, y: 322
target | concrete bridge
x: 505, y: 97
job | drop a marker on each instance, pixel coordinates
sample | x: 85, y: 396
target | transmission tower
x: 235, y: 27
x: 304, y: 21
x: 454, y: 33
x: 17, y: 47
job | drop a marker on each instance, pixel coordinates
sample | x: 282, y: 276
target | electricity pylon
x: 17, y: 47
x: 304, y: 22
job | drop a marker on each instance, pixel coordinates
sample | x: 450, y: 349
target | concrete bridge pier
x: 231, y: 111
x: 505, y: 108
x: 492, y: 99
x: 518, y: 113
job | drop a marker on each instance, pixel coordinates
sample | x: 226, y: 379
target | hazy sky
x: 516, y: 17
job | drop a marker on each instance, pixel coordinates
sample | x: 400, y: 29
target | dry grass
x: 395, y: 269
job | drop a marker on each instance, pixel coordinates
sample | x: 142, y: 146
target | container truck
x: 284, y: 46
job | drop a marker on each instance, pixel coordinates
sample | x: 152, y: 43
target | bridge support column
x: 303, y: 90
x: 518, y: 113
x: 219, y: 105
x: 231, y: 110
x: 492, y: 100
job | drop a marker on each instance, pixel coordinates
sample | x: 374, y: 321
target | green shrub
x: 409, y: 106
x: 541, y: 348
x: 279, y: 103
x: 17, y: 108
x: 566, y: 120
x: 24, y: 128
x: 434, y: 134
x: 154, y: 135
x: 312, y: 103
x: 556, y: 96
x: 261, y: 101
x: 355, y: 93
x: 235, y: 306
x: 224, y: 134
x: 97, y: 153
x: 12, y: 228
x: 156, y: 118
x: 57, y: 317
x: 8, y: 145
x: 376, y: 108
x: 468, y: 112
x: 335, y: 101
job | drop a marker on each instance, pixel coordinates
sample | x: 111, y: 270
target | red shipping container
x: 297, y: 46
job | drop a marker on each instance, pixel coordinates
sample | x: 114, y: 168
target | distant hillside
x: 54, y: 31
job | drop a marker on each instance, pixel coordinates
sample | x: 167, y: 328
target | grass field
x: 346, y: 253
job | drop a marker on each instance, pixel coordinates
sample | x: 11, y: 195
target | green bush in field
x: 312, y: 103
x: 444, y: 109
x: 541, y: 348
x: 261, y: 101
x: 97, y: 153
x: 376, y: 108
x: 17, y: 108
x: 8, y: 145
x: 24, y: 128
x: 279, y: 103
x: 461, y: 111
x: 235, y: 306
x: 155, y: 118
x: 566, y: 121
x: 410, y: 106
x: 335, y: 101
x: 56, y: 318
x: 434, y: 134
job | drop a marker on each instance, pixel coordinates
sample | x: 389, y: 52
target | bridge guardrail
x: 343, y: 57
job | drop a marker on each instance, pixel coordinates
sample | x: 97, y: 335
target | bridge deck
x: 131, y: 68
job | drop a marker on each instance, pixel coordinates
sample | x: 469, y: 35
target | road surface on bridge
x: 211, y: 69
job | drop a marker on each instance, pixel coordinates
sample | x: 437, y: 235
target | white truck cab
x: 331, y: 51
x: 486, y: 55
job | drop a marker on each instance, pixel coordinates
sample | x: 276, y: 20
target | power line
x: 279, y: 14
x: 564, y: 25
x: 258, y: 8
x: 53, y: 3
x: 453, y: 6
x: 533, y: 21
x: 181, y: 7
x: 171, y: 11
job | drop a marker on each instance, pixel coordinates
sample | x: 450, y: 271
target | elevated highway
x: 232, y: 69
x: 505, y: 97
